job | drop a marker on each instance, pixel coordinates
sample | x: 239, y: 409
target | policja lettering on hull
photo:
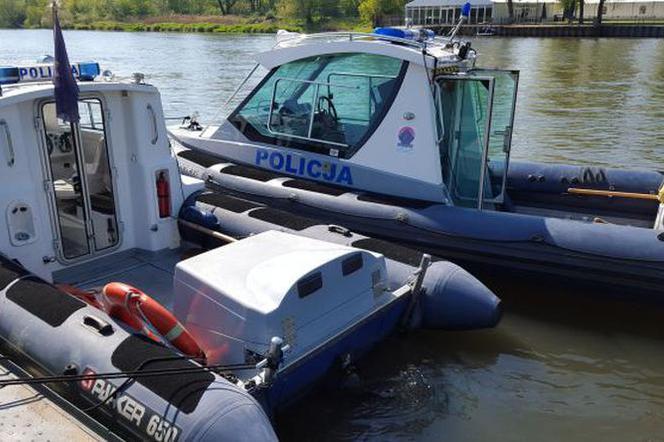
x: 302, y: 166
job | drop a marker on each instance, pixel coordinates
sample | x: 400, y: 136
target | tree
x: 568, y: 9
x: 510, y: 11
x: 581, y: 7
x: 225, y: 6
x: 600, y: 12
x: 12, y: 14
x: 349, y: 8
x: 303, y: 9
x: 37, y: 13
x: 372, y: 11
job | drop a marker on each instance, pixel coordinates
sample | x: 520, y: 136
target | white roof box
x: 235, y: 298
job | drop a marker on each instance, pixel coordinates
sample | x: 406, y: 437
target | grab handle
x: 155, y: 129
x: 9, y: 147
x: 99, y: 325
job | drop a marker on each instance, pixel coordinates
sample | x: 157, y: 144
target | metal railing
x: 304, y: 39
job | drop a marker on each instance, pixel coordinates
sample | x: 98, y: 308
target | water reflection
x: 585, y: 100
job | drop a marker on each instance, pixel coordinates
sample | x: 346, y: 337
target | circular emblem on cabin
x: 406, y: 136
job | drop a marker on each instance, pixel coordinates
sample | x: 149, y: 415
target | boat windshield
x: 328, y: 104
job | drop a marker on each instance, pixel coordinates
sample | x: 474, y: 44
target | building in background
x: 445, y: 12
x: 528, y: 11
x: 627, y: 10
x: 441, y: 12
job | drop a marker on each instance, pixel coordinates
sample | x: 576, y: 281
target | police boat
x: 398, y: 134
x: 163, y: 327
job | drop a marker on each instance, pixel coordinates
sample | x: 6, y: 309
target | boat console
x: 276, y: 284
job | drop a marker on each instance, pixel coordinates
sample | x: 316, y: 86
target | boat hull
x: 333, y: 359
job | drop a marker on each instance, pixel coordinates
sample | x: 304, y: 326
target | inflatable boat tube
x: 452, y: 300
x: 63, y: 335
x: 538, y: 183
x: 610, y: 260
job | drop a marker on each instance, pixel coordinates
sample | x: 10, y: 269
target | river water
x: 557, y: 367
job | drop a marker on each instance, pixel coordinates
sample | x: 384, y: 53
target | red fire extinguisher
x: 163, y: 196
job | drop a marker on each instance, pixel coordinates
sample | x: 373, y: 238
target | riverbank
x: 217, y: 24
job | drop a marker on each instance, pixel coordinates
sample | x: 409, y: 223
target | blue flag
x: 66, y: 88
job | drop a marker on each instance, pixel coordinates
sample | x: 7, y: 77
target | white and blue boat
x: 211, y: 335
x: 399, y: 135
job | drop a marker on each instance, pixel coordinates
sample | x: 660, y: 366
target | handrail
x: 303, y: 38
x: 155, y: 128
x: 617, y: 194
x: 11, y: 158
x: 314, y: 100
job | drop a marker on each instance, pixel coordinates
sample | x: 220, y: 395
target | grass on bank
x: 249, y: 28
x: 189, y: 24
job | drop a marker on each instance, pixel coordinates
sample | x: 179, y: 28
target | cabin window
x: 352, y: 264
x: 327, y: 104
x: 309, y: 284
x: 81, y: 180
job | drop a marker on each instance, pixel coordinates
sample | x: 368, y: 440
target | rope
x: 127, y: 382
x: 126, y: 374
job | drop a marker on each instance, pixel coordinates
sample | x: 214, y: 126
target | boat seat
x: 96, y: 161
x: 64, y: 190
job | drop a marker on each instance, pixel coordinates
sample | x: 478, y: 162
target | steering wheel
x: 64, y: 143
x: 331, y: 110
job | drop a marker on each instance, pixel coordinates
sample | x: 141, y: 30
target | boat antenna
x: 465, y: 13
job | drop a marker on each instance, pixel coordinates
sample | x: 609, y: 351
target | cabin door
x: 475, y: 120
x: 83, y: 201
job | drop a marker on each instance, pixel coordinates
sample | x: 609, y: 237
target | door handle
x: 155, y: 129
x: 9, y: 147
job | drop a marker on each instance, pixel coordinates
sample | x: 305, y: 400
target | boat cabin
x: 350, y: 109
x: 75, y: 193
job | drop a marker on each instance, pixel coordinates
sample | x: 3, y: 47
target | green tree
x: 372, y: 11
x: 349, y: 8
x: 36, y: 13
x: 12, y: 13
x: 225, y: 6
x: 299, y: 9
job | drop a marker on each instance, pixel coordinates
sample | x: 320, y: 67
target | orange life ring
x: 133, y: 307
